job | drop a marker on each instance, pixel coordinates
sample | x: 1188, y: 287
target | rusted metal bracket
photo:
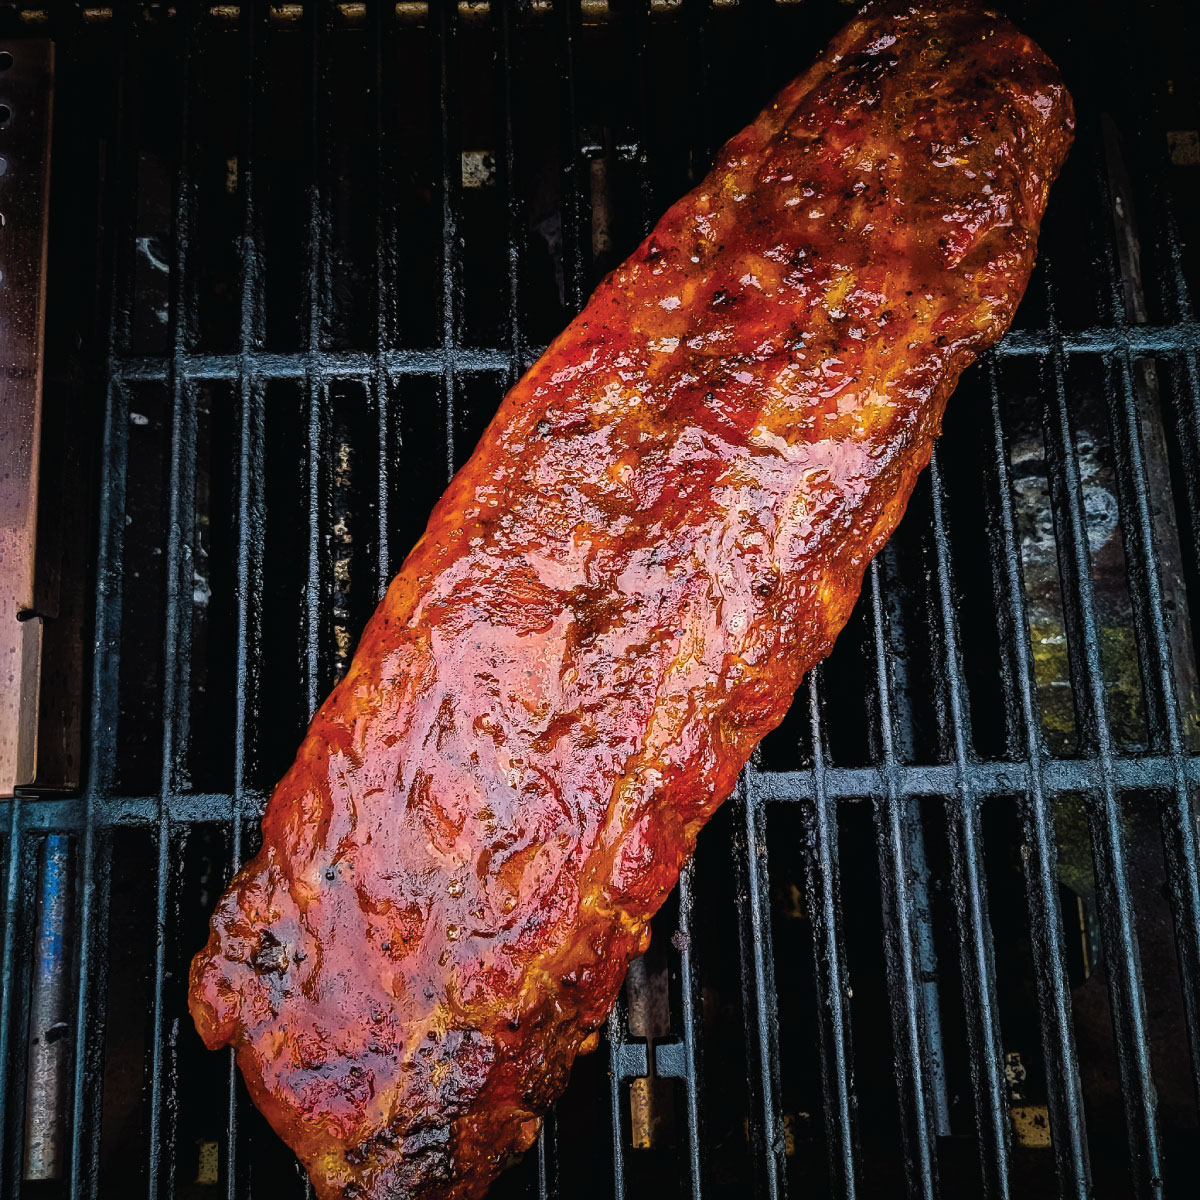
x: 26, y: 90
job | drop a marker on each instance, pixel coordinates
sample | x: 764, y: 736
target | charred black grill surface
x: 948, y: 935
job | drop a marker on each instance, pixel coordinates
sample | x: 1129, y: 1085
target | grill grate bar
x: 8, y: 967
x: 325, y: 365
x: 1118, y: 927
x: 90, y: 1014
x: 615, y: 1029
x: 993, y: 778
x: 970, y: 887
x: 1187, y: 373
x: 387, y: 271
x: 759, y: 998
x: 506, y: 168
x: 1189, y: 424
x: 444, y: 18
x: 1155, y: 656
x: 159, y: 1161
x: 91, y: 1002
x: 93, y: 909
x: 637, y: 39
x: 1064, y: 1091
x: 1178, y: 293
x: 1181, y: 337
x: 251, y: 518
x: 900, y: 951
x: 1168, y: 340
x: 316, y: 20
x: 1008, y: 779
x: 569, y: 19
x: 1178, y: 340
x: 699, y: 58
x: 1178, y: 819
x: 823, y: 896
x: 251, y: 515
x: 547, y: 1161
x: 1000, y: 780
x: 177, y: 641
x: 1188, y: 364
x: 690, y: 993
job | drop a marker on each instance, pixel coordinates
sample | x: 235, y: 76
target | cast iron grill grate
x: 297, y: 253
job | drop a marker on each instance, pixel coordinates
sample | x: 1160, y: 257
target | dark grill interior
x: 948, y: 932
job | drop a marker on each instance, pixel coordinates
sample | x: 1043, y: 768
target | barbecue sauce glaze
x: 664, y: 527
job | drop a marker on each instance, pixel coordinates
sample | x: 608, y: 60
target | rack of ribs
x: 663, y: 528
